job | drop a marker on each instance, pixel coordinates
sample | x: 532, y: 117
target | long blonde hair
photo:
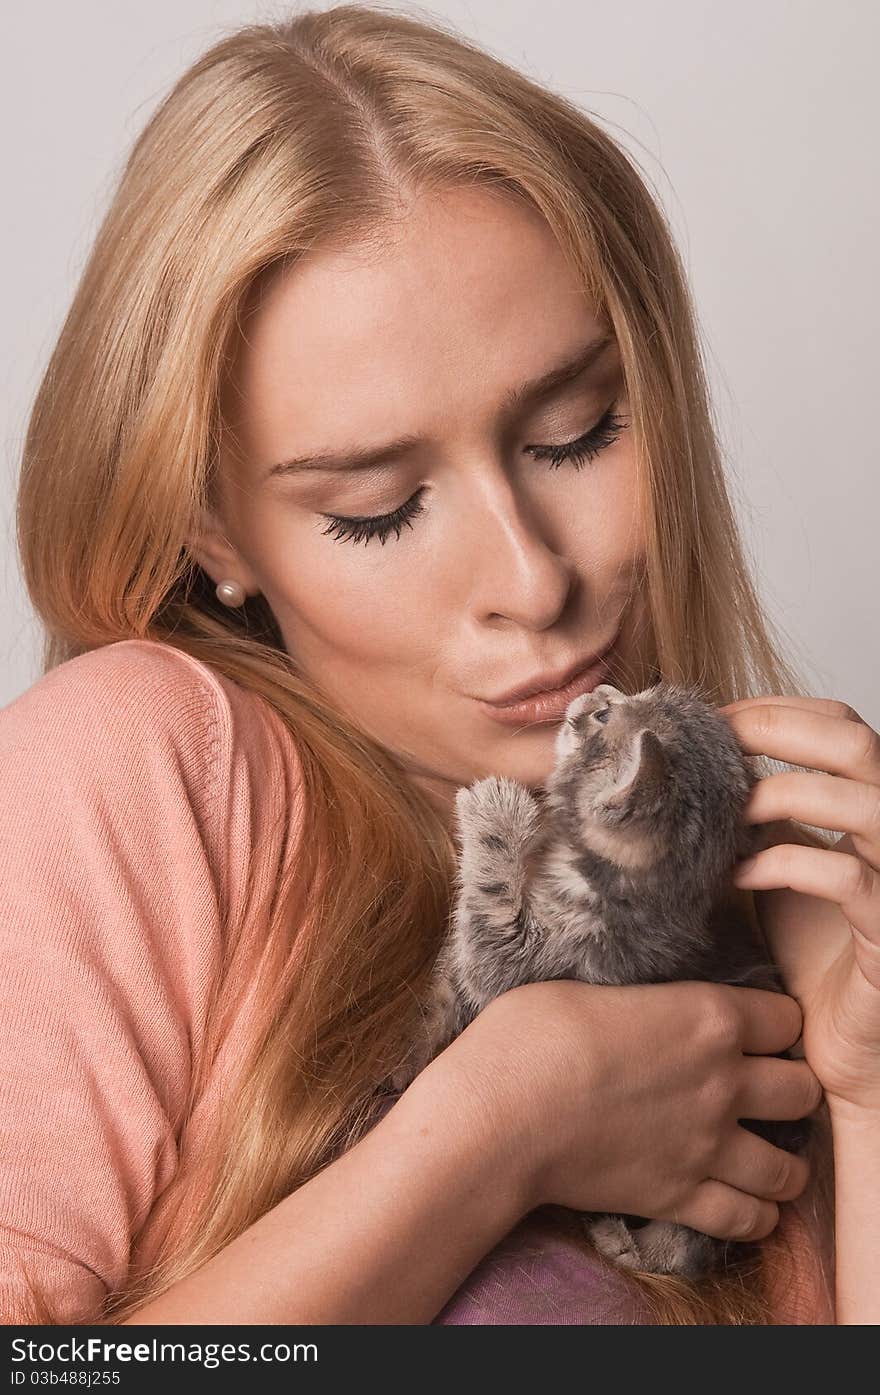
x: 280, y: 137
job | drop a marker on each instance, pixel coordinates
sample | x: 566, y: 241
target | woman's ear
x: 216, y: 555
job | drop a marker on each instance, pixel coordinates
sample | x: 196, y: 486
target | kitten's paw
x: 660, y: 1247
x: 613, y: 1239
x: 669, y: 1248
x: 497, y: 805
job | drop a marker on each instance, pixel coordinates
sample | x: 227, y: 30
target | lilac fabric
x: 540, y: 1274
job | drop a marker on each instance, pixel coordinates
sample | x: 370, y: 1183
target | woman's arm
x: 857, y: 1215
x: 385, y: 1234
x: 563, y: 1093
x: 821, y: 909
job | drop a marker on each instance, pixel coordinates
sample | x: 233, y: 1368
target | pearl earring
x: 231, y: 593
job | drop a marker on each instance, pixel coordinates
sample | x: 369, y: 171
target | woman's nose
x: 517, y: 570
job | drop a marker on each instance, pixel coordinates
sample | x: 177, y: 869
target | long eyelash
x: 586, y: 447
x: 578, y: 452
x: 379, y: 526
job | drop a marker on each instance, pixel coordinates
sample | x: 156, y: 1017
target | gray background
x: 757, y: 128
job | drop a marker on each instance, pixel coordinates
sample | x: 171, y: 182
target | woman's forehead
x: 449, y: 277
x: 454, y: 315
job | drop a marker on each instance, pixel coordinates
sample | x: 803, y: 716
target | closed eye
x: 578, y: 452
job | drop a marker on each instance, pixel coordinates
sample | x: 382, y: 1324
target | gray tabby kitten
x: 613, y: 872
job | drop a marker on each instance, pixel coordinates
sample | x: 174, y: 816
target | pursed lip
x: 548, y: 682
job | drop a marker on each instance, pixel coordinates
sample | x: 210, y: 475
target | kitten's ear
x: 644, y: 776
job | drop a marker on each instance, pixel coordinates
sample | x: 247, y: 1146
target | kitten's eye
x: 602, y: 713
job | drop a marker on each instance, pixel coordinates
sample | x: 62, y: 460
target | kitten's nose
x: 597, y: 706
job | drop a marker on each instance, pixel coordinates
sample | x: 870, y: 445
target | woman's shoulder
x: 144, y: 798
x: 126, y: 676
x: 126, y: 828
x: 135, y: 702
x: 139, y: 773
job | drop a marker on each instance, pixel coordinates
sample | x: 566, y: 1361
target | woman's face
x: 509, y: 566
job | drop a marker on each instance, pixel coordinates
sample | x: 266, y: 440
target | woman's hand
x: 828, y: 950
x: 628, y: 1099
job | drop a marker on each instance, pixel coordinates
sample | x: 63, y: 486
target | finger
x: 831, y: 706
x: 753, y: 1165
x: 816, y: 739
x: 773, y: 1088
x: 825, y: 801
x: 769, y: 1021
x: 727, y: 1213
x: 849, y: 881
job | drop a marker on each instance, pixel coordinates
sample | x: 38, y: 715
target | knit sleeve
x: 126, y: 794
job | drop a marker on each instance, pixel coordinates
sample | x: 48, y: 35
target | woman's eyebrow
x: 386, y: 456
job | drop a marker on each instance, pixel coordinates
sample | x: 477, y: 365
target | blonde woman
x: 380, y: 397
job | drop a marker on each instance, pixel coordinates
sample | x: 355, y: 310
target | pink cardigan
x: 137, y: 787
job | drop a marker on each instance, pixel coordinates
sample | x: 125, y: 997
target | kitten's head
x: 652, y: 778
